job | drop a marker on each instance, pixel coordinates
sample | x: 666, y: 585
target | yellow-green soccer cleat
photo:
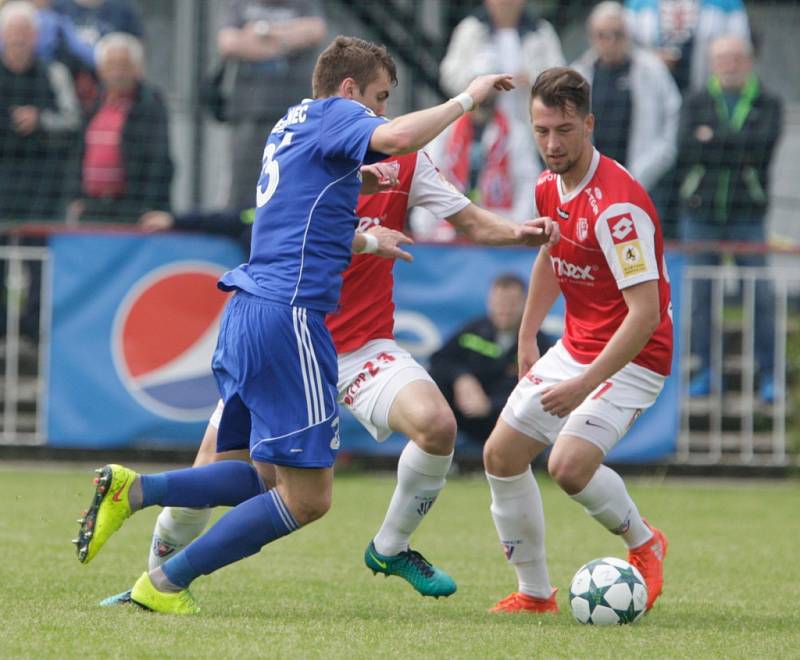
x: 106, y: 513
x: 147, y: 596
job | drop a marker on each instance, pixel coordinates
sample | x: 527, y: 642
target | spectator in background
x: 680, y: 32
x: 93, y: 19
x: 271, y: 45
x: 58, y: 39
x: 635, y: 101
x: 96, y: 18
x: 727, y: 139
x: 502, y: 36
x: 486, y: 156
x: 126, y: 169
x: 477, y: 367
x: 39, y: 120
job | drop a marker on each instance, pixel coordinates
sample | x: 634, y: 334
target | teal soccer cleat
x: 413, y: 568
x: 123, y: 598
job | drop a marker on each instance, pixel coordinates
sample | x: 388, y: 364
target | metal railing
x: 24, y: 390
x: 731, y: 424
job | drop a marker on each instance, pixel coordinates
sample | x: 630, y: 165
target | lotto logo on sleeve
x: 163, y: 337
x: 627, y: 245
x: 622, y: 229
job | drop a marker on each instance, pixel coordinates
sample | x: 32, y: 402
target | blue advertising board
x: 135, y: 320
x: 134, y: 324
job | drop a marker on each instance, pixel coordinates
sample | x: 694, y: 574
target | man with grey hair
x: 634, y: 98
x: 126, y: 169
x: 727, y: 139
x: 38, y: 117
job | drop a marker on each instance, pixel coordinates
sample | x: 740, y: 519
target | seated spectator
x: 680, y: 32
x: 636, y: 103
x: 726, y: 144
x: 39, y: 120
x: 476, y: 369
x: 502, y: 36
x: 126, y: 169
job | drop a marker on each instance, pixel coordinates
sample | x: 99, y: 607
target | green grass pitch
x: 731, y: 586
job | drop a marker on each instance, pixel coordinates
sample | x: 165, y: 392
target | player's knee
x: 496, y: 461
x: 571, y: 476
x: 436, y: 430
x: 309, y: 509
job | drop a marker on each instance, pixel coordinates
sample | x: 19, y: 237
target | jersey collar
x: 563, y: 199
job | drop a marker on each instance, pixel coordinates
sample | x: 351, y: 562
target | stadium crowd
x: 84, y: 135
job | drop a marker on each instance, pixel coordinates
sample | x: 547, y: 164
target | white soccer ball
x: 607, y: 591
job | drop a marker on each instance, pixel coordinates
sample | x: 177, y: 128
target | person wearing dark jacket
x: 726, y: 142
x: 125, y: 167
x: 476, y: 369
x: 39, y: 121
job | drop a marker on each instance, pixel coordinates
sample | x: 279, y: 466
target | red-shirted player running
x: 379, y: 382
x: 585, y: 392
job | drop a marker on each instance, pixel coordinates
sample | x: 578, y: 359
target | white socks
x: 519, y: 519
x: 420, y: 478
x: 606, y: 499
x: 175, y: 528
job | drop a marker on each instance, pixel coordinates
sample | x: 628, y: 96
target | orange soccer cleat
x: 649, y: 559
x: 519, y: 602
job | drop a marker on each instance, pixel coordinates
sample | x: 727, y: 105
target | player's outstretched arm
x: 413, y: 131
x: 542, y: 293
x: 486, y: 228
x: 382, y: 242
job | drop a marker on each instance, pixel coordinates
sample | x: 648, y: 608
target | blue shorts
x: 276, y: 369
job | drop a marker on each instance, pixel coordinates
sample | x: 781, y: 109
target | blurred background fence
x: 122, y: 117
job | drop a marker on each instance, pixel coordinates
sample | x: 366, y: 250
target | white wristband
x: 466, y: 102
x: 371, y: 245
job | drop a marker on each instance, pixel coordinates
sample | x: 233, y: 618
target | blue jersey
x: 305, y: 204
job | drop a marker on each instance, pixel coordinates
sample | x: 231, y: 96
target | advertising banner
x: 134, y: 325
x: 135, y: 321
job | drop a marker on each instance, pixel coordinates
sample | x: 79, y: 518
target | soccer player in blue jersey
x: 275, y: 363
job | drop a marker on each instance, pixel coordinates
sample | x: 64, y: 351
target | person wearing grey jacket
x: 634, y: 98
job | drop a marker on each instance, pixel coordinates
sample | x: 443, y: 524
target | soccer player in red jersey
x: 611, y: 363
x: 380, y: 382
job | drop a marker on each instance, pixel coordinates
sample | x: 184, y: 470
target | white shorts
x: 370, y: 378
x: 610, y: 409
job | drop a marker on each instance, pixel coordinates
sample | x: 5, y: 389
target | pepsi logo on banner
x: 163, y: 338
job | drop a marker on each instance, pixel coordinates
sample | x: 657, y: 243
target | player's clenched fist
x: 378, y: 177
x: 539, y: 231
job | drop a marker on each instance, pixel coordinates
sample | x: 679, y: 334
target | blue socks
x: 240, y: 533
x: 226, y: 483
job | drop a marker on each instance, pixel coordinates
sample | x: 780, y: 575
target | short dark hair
x: 563, y: 88
x: 350, y: 57
x: 508, y: 280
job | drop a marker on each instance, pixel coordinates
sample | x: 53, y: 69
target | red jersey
x: 610, y: 239
x: 366, y: 304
